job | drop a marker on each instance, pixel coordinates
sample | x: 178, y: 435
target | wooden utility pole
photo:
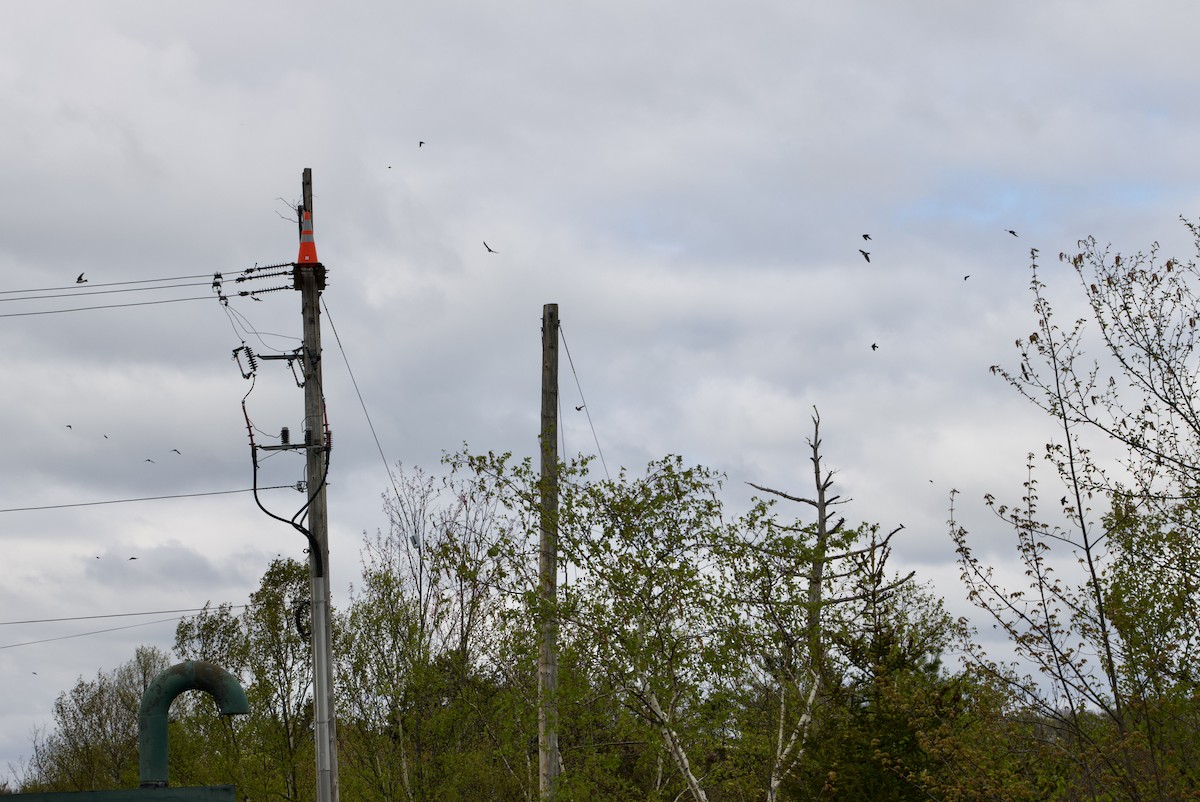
x: 310, y: 281
x: 548, y: 762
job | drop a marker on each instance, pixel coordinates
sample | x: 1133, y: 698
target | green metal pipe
x: 156, y: 701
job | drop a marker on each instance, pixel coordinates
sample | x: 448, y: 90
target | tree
x: 1119, y: 381
x: 424, y: 646
x: 798, y: 576
x: 94, y: 741
x: 648, y: 610
x: 269, y: 751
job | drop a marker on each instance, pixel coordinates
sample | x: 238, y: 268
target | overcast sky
x: 689, y: 181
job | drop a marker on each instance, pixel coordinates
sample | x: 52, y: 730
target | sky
x: 688, y: 181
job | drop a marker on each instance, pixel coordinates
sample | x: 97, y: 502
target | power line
x: 586, y: 411
x: 144, y: 498
x: 70, y: 293
x: 110, y: 615
x: 93, y: 632
x: 363, y: 403
x: 107, y: 306
x: 107, y: 284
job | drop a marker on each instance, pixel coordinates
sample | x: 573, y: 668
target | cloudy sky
x: 689, y: 181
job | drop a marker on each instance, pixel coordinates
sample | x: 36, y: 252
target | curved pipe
x: 156, y: 701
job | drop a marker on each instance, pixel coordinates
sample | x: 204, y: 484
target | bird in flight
x: 421, y: 144
x: 866, y: 236
x: 133, y: 558
x: 874, y: 346
x: 580, y: 407
x: 866, y: 255
x: 69, y: 426
x: 150, y: 461
x: 81, y: 279
x: 1010, y: 231
x: 489, y: 248
x: 966, y: 277
x: 177, y: 451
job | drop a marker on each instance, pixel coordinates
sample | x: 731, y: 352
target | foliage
x: 93, y: 745
x: 1108, y: 616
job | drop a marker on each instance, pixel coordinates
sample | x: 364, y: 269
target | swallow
x: 866, y: 236
x: 421, y: 144
x: 966, y: 277
x: 150, y: 461
x: 874, y: 346
x: 580, y: 407
x: 177, y: 451
x: 81, y: 279
x: 489, y: 248
x: 133, y: 558
x: 866, y: 255
x: 1010, y: 231
x: 69, y: 426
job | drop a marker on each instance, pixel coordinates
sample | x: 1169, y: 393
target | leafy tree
x: 797, y: 581
x: 430, y: 641
x: 648, y: 610
x: 1109, y: 639
x: 94, y: 741
x: 269, y: 751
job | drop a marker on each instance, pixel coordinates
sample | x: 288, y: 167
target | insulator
x: 252, y: 358
x: 285, y: 436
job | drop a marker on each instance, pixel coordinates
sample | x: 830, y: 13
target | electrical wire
x: 106, y: 306
x: 69, y: 293
x: 586, y: 411
x: 110, y: 615
x: 145, y: 498
x: 93, y: 632
x: 248, y: 328
x: 362, y: 403
x: 314, y: 549
x: 108, y: 284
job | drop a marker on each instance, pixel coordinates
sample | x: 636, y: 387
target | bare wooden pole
x: 310, y: 281
x: 548, y: 758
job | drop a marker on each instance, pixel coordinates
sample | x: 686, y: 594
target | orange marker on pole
x: 308, y: 248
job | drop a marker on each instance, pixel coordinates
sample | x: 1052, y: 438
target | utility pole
x: 548, y: 759
x: 309, y: 277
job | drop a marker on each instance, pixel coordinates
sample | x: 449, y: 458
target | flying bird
x: 489, y: 248
x: 966, y: 277
x: 177, y: 451
x: 1010, y: 231
x: 149, y: 460
x: 580, y: 407
x: 81, y: 279
x: 133, y: 558
x: 874, y: 346
x: 866, y: 236
x: 866, y: 255
x: 421, y: 144
x: 69, y: 426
